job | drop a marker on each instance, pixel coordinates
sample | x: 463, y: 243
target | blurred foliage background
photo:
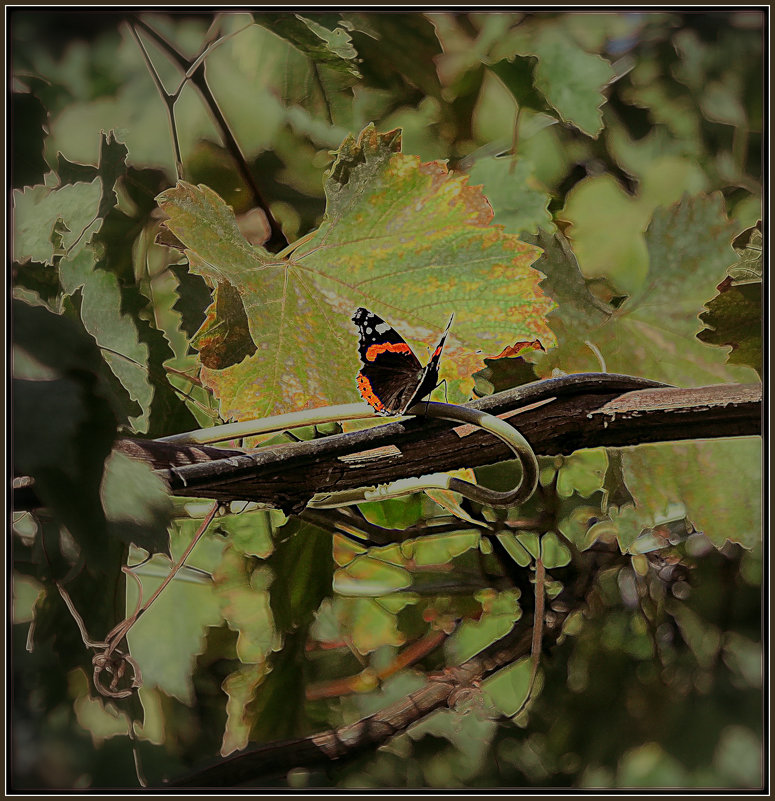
x: 658, y: 683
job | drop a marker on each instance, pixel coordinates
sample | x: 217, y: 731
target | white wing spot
x: 382, y: 327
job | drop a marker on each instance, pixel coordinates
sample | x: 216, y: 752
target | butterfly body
x: 392, y: 379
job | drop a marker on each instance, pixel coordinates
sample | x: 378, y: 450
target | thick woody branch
x: 556, y: 416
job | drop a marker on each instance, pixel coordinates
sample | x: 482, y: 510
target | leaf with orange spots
x: 410, y: 241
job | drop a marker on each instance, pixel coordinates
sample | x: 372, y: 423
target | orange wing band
x: 364, y: 387
x: 393, y: 347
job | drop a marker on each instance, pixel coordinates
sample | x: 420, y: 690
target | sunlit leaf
x: 115, y: 333
x: 715, y: 483
x: 734, y: 315
x: 244, y: 598
x: 564, y: 78
x: 167, y: 638
x: 38, y: 209
x: 136, y: 502
x: 410, y: 241
x: 519, y: 203
x: 652, y: 333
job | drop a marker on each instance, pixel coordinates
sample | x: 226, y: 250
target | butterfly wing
x: 430, y: 373
x: 391, y: 372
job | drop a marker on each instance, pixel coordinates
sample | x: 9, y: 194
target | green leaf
x: 519, y: 203
x: 396, y: 513
x: 241, y: 688
x: 278, y: 709
x: 734, y: 319
x: 37, y: 210
x: 564, y: 79
x: 733, y: 316
x: 243, y: 592
x: 166, y: 639
x: 518, y: 76
x: 748, y: 245
x: 136, y: 502
x: 331, y: 48
x: 303, y: 568
x: 49, y: 221
x: 115, y: 333
x: 572, y: 79
x: 508, y: 688
x: 411, y: 241
x: 608, y: 224
x: 397, y: 51
x: 653, y: 332
x: 116, y: 240
x: 715, y: 483
x: 112, y: 166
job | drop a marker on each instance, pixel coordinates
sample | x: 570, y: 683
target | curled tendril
x: 116, y: 664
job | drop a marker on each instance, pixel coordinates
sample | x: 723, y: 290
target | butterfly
x: 392, y: 378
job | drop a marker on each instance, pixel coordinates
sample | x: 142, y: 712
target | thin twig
x: 195, y: 73
x: 119, y: 632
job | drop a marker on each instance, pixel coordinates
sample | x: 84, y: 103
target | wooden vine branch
x: 556, y: 416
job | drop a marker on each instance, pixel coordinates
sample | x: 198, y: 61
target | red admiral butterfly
x: 392, y: 378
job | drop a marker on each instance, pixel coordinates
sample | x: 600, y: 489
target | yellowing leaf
x: 409, y: 240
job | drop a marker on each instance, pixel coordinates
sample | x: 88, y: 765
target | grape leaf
x: 572, y: 79
x: 38, y: 209
x: 332, y: 48
x: 564, y: 80
x: 397, y: 51
x: 245, y: 606
x: 137, y: 505
x: 278, y: 708
x: 734, y: 319
x: 241, y: 687
x: 734, y: 315
x: 303, y: 568
x: 653, y: 332
x: 193, y: 298
x: 518, y: 76
x: 519, y: 205
x: 167, y: 637
x: 112, y: 165
x: 51, y: 220
x: 115, y: 333
x: 715, y: 483
x: 410, y: 241
x: 748, y: 245
x: 115, y: 243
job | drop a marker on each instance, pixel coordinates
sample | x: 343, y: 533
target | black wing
x: 391, y: 372
x: 430, y: 374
